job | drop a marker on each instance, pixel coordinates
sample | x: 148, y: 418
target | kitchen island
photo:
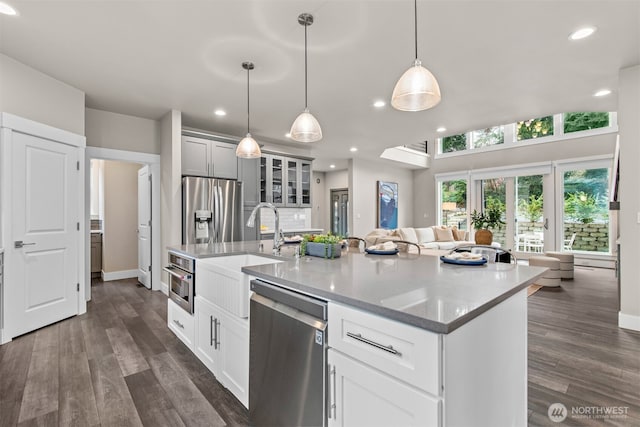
x: 458, y: 333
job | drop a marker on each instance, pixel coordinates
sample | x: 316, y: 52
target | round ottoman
x: 551, y: 277
x: 566, y: 263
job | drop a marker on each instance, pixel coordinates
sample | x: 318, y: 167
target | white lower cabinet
x: 222, y: 344
x: 181, y: 323
x: 360, y: 395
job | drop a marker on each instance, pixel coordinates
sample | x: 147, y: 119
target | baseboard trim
x: 628, y: 321
x: 164, y: 288
x: 118, y: 275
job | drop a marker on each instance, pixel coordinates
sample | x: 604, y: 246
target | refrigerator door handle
x: 219, y: 214
x: 216, y: 209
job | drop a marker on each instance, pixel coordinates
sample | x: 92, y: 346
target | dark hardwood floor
x: 119, y: 365
x: 577, y: 354
x: 116, y: 365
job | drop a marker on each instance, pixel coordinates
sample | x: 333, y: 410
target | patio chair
x: 568, y: 243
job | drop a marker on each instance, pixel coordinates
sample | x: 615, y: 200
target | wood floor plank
x: 127, y: 352
x: 41, y: 388
x: 192, y: 406
x: 147, y: 341
x: 225, y: 403
x: 113, y: 400
x: 96, y: 341
x: 47, y: 420
x: 71, y: 338
x: 77, y: 401
x: 152, y: 402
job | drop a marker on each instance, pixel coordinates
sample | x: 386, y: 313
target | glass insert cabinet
x: 285, y: 181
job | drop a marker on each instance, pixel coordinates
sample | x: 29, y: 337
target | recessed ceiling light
x: 582, y: 33
x: 287, y: 135
x: 441, y: 129
x: 353, y: 149
x: 7, y: 10
x: 602, y: 92
x: 379, y: 104
x: 332, y: 166
x: 220, y: 113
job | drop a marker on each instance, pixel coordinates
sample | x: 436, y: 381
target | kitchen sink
x: 221, y: 280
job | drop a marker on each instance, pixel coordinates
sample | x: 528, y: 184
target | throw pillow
x: 444, y: 234
x: 425, y: 235
x: 408, y: 234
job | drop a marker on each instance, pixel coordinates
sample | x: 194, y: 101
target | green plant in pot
x: 482, y: 222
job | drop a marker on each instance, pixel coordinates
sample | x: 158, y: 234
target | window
x: 486, y: 137
x: 454, y: 143
x: 585, y: 209
x: 534, y: 128
x: 453, y: 203
x: 575, y: 122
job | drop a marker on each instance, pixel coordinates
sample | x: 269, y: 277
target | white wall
x: 121, y: 132
x: 363, y: 194
x: 629, y: 123
x: 319, y: 213
x: 33, y: 95
x: 120, y: 239
x: 170, y: 185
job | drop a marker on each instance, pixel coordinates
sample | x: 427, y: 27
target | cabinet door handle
x: 216, y: 343
x: 387, y: 348
x: 179, y: 324
x: 211, y: 331
x: 332, y: 398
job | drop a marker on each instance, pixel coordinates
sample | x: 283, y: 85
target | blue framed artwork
x: 387, y: 205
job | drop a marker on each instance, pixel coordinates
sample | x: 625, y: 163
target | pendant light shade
x: 417, y: 89
x: 305, y: 128
x: 248, y: 148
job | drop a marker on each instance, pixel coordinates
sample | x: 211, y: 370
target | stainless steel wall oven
x: 181, y: 271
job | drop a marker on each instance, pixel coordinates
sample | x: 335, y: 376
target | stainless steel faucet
x: 278, y: 238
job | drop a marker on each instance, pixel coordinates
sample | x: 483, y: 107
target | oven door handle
x: 185, y: 276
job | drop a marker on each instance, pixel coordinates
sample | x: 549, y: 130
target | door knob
x: 19, y: 243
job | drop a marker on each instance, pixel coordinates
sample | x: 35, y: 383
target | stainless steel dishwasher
x: 287, y: 358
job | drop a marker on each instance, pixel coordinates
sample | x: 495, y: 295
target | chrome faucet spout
x: 278, y: 238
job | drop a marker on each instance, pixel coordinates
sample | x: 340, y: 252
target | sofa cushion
x: 447, y: 245
x: 458, y: 234
x: 444, y: 234
x: 425, y: 235
x: 430, y: 245
x: 408, y: 234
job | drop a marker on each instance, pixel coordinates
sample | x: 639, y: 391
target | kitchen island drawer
x: 408, y: 353
x: 181, y: 323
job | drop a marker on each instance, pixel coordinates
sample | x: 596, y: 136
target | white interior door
x: 144, y: 226
x: 44, y: 231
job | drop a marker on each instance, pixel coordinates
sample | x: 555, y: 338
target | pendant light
x: 248, y: 148
x: 305, y: 128
x: 417, y: 89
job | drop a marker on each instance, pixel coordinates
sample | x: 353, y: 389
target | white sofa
x: 434, y: 237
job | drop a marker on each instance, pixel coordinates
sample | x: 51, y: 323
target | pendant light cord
x: 415, y: 24
x: 305, y: 66
x: 248, y: 100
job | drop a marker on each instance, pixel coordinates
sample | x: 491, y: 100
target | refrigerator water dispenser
x: 203, y: 218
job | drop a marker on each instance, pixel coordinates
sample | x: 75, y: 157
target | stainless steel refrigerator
x: 211, y: 210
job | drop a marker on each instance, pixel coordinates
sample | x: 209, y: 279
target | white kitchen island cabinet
x: 384, y: 372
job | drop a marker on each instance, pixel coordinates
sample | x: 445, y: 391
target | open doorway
x: 340, y: 211
x: 123, y: 214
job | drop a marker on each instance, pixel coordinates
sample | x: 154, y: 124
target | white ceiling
x: 496, y: 62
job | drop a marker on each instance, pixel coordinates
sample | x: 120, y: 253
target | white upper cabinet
x: 205, y: 157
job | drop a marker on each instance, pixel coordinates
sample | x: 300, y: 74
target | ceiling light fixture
x: 248, y: 148
x: 287, y: 135
x: 5, y: 9
x: 332, y: 166
x: 306, y: 128
x: 582, y: 33
x: 379, y: 104
x: 220, y: 113
x: 353, y: 149
x: 417, y: 89
x: 602, y: 92
x: 441, y: 129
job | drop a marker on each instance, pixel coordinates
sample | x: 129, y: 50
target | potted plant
x: 483, y: 221
x: 321, y: 245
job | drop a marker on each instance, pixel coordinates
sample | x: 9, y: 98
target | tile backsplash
x: 290, y: 218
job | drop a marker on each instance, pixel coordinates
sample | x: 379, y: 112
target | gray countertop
x: 418, y: 290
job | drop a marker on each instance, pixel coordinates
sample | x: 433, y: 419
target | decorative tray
x: 382, y: 252
x: 463, y: 261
